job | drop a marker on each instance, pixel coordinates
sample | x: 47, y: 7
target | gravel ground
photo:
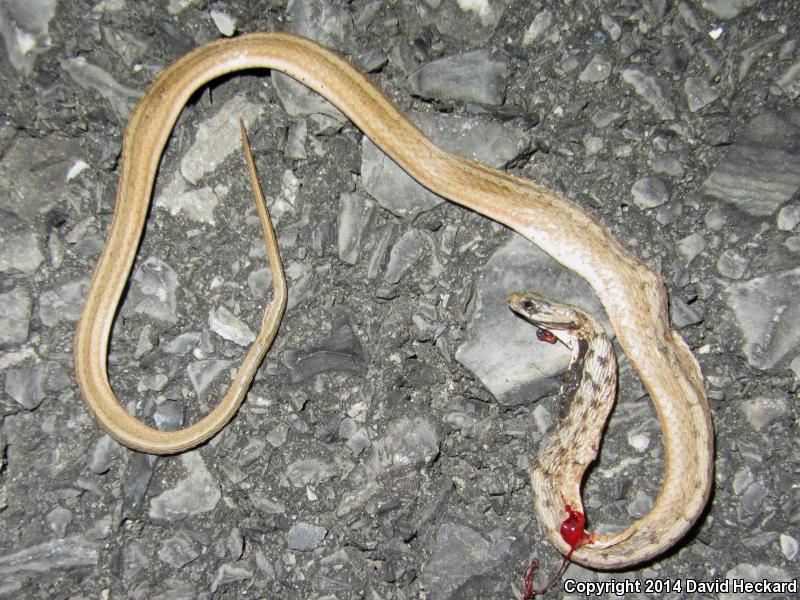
x: 382, y: 451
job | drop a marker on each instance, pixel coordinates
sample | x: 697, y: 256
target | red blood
x: 574, y: 533
x: 546, y: 336
x: 572, y: 529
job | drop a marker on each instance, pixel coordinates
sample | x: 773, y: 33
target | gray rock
x: 789, y: 546
x: 323, y: 21
x: 762, y: 171
x: 25, y: 385
x: 732, y: 265
x: 25, y: 27
x: 691, y: 246
x: 226, y: 24
x: 304, y: 536
x: 768, y: 316
x: 640, y: 505
x: 358, y: 441
x: 260, y: 282
x: 63, y: 303
x: 501, y: 349
x: 130, y: 48
x: 20, y: 251
x: 756, y: 574
x: 404, y: 255
x: 58, y: 520
x: 699, y: 93
x: 168, y: 416
x: 682, y: 314
x: 667, y: 164
x: 23, y: 176
x: 265, y: 505
x: 197, y: 204
x: 230, y: 327
x: 789, y: 217
x: 198, y: 493
x: 15, y: 317
x: 311, y: 471
x: 105, y: 450
x: 156, y: 288
x: 62, y: 553
x: 761, y: 412
x: 538, y: 28
x: 202, y: 373
x: 598, y: 69
x: 474, y: 76
x: 182, y: 344
x: 649, y: 192
x: 278, y: 435
x: 468, y: 21
x: 793, y: 244
x: 218, y: 137
x: 137, y: 479
x: 649, y: 89
x: 604, y: 117
x: 178, y: 551
x: 727, y: 9
x: 612, y: 27
x: 407, y: 442
x: 789, y: 81
x: 296, y: 140
x: 230, y: 573
x: 91, y: 77
x: 340, y: 352
x: 462, y: 553
x: 355, y: 216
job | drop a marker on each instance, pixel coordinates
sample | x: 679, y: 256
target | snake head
x: 543, y: 312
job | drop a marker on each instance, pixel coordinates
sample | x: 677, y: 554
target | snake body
x: 633, y: 295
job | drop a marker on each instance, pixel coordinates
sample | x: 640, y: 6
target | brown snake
x: 634, y: 296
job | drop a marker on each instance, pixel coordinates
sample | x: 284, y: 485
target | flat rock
x: 501, y: 349
x: 25, y: 385
x: 462, y: 553
x: 761, y: 172
x: 648, y: 87
x: 178, y: 551
x: 63, y: 303
x: 304, y: 536
x: 93, y: 77
x: 355, y: 216
x: 15, y: 317
x: 26, y: 30
x: 198, y: 493
x: 768, y: 316
x: 218, y: 137
x: 650, y: 192
x: 23, y: 176
x: 20, y: 251
x: 407, y: 442
x: 476, y: 76
x: 230, y: 327
x: 340, y: 352
x: 59, y: 554
x: 155, y: 289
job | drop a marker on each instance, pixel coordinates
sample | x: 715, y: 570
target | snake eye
x: 527, y: 305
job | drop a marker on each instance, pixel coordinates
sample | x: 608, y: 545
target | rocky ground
x: 382, y: 451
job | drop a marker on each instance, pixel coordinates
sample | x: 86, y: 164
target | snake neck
x: 586, y: 397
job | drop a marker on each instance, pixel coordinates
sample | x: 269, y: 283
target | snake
x: 633, y: 295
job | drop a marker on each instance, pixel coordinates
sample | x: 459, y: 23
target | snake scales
x: 634, y: 296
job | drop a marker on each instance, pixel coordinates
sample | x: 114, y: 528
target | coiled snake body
x: 633, y: 295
